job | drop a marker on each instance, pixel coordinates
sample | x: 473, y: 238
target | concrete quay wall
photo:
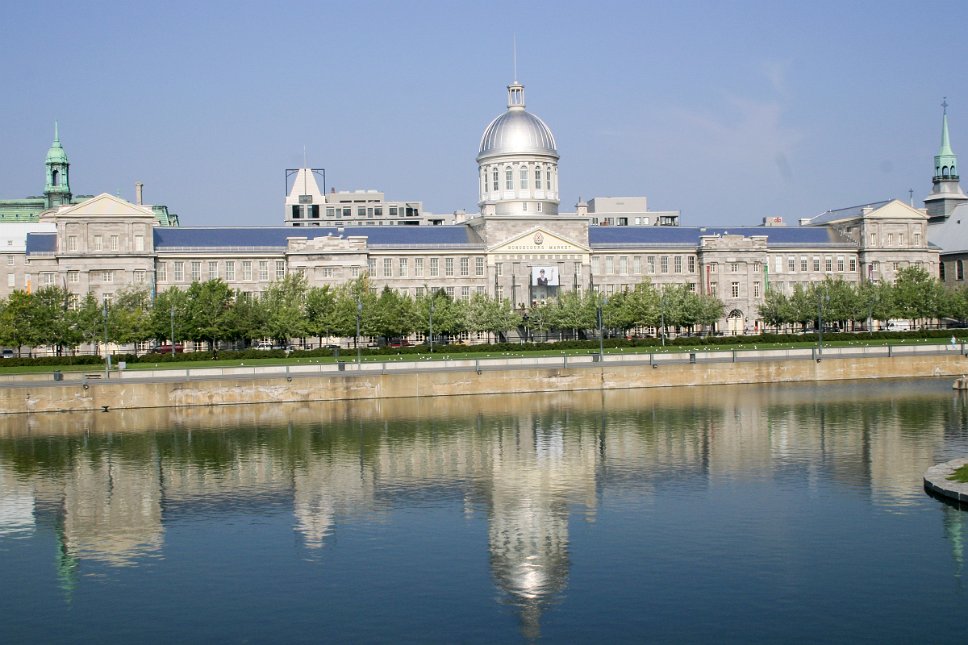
x: 423, y: 381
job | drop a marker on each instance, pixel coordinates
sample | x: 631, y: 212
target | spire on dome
x: 945, y: 162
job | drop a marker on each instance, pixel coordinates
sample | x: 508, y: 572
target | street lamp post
x: 821, y: 297
x: 662, y: 316
x: 107, y: 354
x: 172, y: 331
x: 431, y: 324
x: 359, y: 312
x: 601, y: 329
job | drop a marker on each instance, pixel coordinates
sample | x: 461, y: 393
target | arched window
x: 55, y: 178
x: 944, y: 171
x: 524, y: 177
x: 494, y: 179
x: 537, y: 177
x: 508, y: 178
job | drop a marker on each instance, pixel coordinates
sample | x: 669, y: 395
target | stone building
x: 520, y: 247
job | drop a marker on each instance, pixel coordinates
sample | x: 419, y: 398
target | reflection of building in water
x: 327, y: 486
x: 536, y: 469
x: 112, y: 509
x: 956, y: 530
x: 16, y: 503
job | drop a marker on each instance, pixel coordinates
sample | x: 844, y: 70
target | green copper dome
x: 56, y: 153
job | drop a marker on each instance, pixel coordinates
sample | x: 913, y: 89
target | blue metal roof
x: 41, y: 243
x: 276, y: 236
x: 672, y: 235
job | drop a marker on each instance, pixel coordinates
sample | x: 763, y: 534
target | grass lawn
x: 441, y: 353
x: 960, y: 475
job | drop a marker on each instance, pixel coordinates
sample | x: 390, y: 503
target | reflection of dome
x: 517, y: 131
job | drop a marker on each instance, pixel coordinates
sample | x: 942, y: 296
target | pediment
x: 896, y: 209
x: 105, y: 205
x: 538, y: 240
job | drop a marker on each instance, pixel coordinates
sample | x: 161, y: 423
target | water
x: 789, y: 513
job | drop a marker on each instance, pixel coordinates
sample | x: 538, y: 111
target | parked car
x: 166, y: 349
x: 8, y: 353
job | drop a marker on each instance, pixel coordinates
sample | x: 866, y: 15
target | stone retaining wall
x: 424, y: 382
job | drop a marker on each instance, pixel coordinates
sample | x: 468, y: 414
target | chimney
x: 138, y: 187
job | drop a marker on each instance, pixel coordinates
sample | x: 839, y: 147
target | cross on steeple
x: 944, y: 104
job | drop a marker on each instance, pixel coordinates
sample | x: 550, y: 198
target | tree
x: 284, y: 304
x: 775, y: 309
x: 129, y: 316
x: 16, y: 324
x: 209, y: 312
x: 917, y: 295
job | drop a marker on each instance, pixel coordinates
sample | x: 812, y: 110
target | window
x: 623, y: 265
x: 828, y: 264
x: 713, y: 288
x: 465, y: 293
x: 478, y: 266
x: 494, y: 179
x: 917, y: 239
x: 900, y: 239
x: 73, y: 277
x: 10, y: 260
x: 115, y: 243
x: 734, y: 289
x: 347, y: 211
x: 609, y: 264
x: 779, y: 264
x: 378, y: 211
x: 434, y: 267
x: 448, y: 266
x: 361, y: 211
x: 371, y: 266
x: 162, y: 272
x: 960, y: 270
x: 264, y: 270
x: 246, y: 269
x: 280, y: 269
x: 873, y: 239
x: 330, y: 211
x: 47, y: 278
x: 816, y: 264
x: 230, y: 269
x: 179, y: 272
x: 107, y: 276
x: 650, y: 264
x: 481, y: 290
x: 71, y: 242
x: 212, y: 269
x: 139, y: 276
x: 355, y: 272
x: 537, y: 177
x: 196, y: 271
x: 387, y: 267
x: 803, y: 265
x: 327, y: 272
x: 733, y: 267
x: 677, y: 264
x: 664, y: 264
x: 524, y: 177
x: 852, y: 264
x: 404, y: 269
x: 756, y: 289
x: 508, y: 178
x: 890, y: 239
x: 465, y: 267
x: 450, y: 292
x: 637, y: 264
x: 692, y: 264
x: 98, y: 243
x: 10, y: 280
x: 499, y: 268
x: 792, y: 265
x: 418, y: 267
x: 840, y: 264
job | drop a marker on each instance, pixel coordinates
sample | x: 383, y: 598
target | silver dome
x: 517, y: 132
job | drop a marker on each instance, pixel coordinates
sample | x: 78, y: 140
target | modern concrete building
x: 520, y: 247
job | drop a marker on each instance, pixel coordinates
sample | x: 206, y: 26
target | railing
x: 408, y: 364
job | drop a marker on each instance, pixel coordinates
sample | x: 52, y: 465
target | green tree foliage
x: 284, y: 309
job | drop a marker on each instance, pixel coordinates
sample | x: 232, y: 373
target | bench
x: 93, y: 376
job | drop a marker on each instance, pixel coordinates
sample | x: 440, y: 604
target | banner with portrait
x: 544, y: 276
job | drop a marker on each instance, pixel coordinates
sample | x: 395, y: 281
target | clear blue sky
x: 729, y: 111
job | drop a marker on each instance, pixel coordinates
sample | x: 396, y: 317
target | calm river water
x: 788, y: 513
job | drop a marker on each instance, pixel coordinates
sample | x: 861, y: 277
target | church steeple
x: 946, y: 193
x: 57, y: 190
